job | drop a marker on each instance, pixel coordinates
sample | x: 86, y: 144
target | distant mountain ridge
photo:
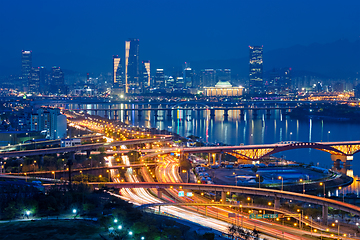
x: 339, y: 59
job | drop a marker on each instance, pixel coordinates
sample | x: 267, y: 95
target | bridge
x: 86, y: 147
x: 342, y: 151
x: 276, y: 194
x: 108, y: 111
x: 83, y: 170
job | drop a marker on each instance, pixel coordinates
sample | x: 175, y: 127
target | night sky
x: 83, y: 35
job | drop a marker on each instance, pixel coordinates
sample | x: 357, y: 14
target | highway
x: 86, y: 147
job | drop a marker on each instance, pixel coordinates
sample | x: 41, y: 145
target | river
x: 250, y: 129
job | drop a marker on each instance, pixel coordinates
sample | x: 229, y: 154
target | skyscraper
x: 117, y: 73
x: 132, y: 66
x: 26, y: 65
x: 256, y: 68
x: 159, y: 78
x: 34, y: 80
x: 146, y: 82
x: 57, y: 81
x: 207, y: 78
x: 188, y: 76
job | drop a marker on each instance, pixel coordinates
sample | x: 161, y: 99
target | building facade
x: 117, y: 73
x: 256, y: 68
x: 132, y: 66
x: 51, y: 121
x: 26, y: 65
x: 223, y: 89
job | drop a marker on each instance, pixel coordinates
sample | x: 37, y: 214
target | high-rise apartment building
x: 26, y: 65
x: 256, y: 68
x: 132, y: 66
x: 51, y: 121
x: 146, y: 82
x: 117, y: 73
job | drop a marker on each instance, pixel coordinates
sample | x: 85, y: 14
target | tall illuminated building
x: 146, y: 82
x: 26, y: 65
x: 132, y: 66
x: 57, y: 81
x: 160, y: 78
x: 256, y: 68
x: 117, y: 72
x: 188, y: 76
x: 34, y: 80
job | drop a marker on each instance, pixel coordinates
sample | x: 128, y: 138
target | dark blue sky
x: 83, y: 35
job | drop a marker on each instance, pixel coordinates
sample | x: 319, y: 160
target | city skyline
x: 277, y: 25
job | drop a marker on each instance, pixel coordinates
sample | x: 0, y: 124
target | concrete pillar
x: 212, y: 113
x: 156, y: 114
x: 169, y: 113
x: 139, y: 113
x: 88, y: 153
x: 226, y: 114
x: 277, y: 203
x: 209, y: 158
x: 342, y: 158
x: 268, y: 113
x: 116, y: 114
x: 220, y: 154
x: 159, y: 194
x: 106, y: 114
x: 95, y: 112
x: 205, y: 210
x: 325, y: 215
x: 223, y: 197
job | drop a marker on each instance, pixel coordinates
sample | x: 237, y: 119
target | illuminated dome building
x: 223, y: 89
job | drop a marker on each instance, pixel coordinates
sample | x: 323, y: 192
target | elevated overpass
x: 276, y: 194
x: 86, y: 147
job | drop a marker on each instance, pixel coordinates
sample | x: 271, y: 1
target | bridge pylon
x: 342, y: 158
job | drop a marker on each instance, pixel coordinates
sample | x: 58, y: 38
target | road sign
x: 189, y: 194
x: 261, y: 216
x: 231, y: 215
x: 181, y: 194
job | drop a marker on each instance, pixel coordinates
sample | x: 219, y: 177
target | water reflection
x: 248, y: 128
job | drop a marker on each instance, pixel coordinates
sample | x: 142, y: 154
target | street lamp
x: 258, y: 175
x: 282, y: 182
x: 130, y: 233
x: 53, y: 172
x: 27, y: 213
x: 301, y: 180
x: 301, y: 217
x: 323, y: 184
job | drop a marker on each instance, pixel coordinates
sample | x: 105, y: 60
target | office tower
x: 57, y: 81
x: 180, y: 83
x: 159, y: 78
x: 188, y: 77
x: 170, y: 82
x: 43, y: 81
x: 146, y: 81
x: 26, y: 65
x: 34, y: 80
x: 256, y: 68
x: 132, y: 66
x: 207, y: 78
x: 117, y: 73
